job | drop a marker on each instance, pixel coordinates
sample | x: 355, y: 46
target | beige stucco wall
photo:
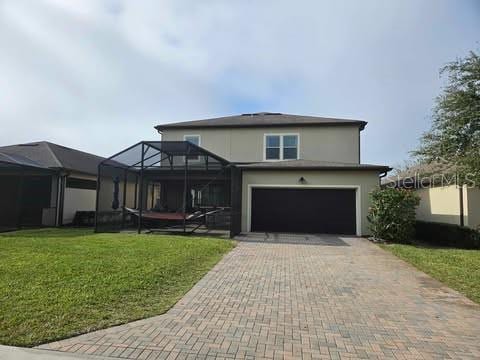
x: 74, y: 200
x: 472, y: 204
x: 105, y: 197
x: 442, y: 204
x: 364, y: 180
x: 327, y: 143
x: 77, y: 200
x: 439, y: 204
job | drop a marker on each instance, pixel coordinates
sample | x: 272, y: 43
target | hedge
x: 441, y: 234
x: 392, y: 214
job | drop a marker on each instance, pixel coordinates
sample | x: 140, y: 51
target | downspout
x: 381, y: 176
x: 63, y: 179
x: 57, y: 199
x: 60, y: 200
x: 462, y: 213
x: 97, y: 196
x: 359, y: 139
x: 136, y: 193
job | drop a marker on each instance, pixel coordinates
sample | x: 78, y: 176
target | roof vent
x: 262, y: 114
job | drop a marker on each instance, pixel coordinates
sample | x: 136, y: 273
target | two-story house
x: 298, y: 173
x: 262, y: 172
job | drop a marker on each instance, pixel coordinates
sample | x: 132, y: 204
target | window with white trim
x: 195, y: 140
x: 290, y: 147
x: 281, y: 147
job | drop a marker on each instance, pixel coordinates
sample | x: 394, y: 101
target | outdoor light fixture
x: 302, y: 180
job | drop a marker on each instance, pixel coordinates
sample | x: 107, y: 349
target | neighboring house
x: 441, y: 199
x: 44, y: 184
x: 298, y: 173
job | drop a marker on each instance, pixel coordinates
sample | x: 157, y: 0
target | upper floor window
x: 194, y: 139
x: 281, y: 147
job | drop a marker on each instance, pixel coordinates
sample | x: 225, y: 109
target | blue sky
x: 98, y: 75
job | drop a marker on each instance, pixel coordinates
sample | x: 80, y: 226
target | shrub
x: 441, y: 234
x: 392, y: 214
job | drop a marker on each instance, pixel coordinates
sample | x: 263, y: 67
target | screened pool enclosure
x: 168, y: 186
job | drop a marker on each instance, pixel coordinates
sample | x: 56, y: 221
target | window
x: 290, y: 147
x: 75, y: 183
x: 194, y: 139
x: 272, y: 151
x: 281, y: 147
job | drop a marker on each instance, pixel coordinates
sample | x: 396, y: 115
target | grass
x: 457, y: 268
x: 57, y: 283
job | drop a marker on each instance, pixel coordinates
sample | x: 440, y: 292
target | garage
x: 300, y: 210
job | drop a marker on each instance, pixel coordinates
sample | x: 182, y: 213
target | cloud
x: 97, y: 75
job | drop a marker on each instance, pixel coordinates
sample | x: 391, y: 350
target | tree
x: 455, y: 132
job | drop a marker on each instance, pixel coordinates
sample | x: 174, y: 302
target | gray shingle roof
x: 53, y: 156
x: 422, y: 172
x: 263, y: 119
x: 310, y: 165
x: 18, y: 160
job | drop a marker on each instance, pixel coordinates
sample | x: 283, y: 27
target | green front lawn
x: 457, y: 268
x: 56, y: 283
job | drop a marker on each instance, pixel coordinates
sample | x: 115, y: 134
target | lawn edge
x: 380, y: 246
x: 133, y: 322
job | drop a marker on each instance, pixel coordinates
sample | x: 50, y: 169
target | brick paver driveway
x: 296, y: 296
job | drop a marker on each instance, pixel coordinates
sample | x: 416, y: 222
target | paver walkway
x: 302, y: 297
x: 18, y: 353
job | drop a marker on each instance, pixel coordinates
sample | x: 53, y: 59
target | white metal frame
x: 358, y: 199
x: 281, y: 145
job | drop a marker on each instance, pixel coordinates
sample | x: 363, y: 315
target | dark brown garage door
x: 327, y: 211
